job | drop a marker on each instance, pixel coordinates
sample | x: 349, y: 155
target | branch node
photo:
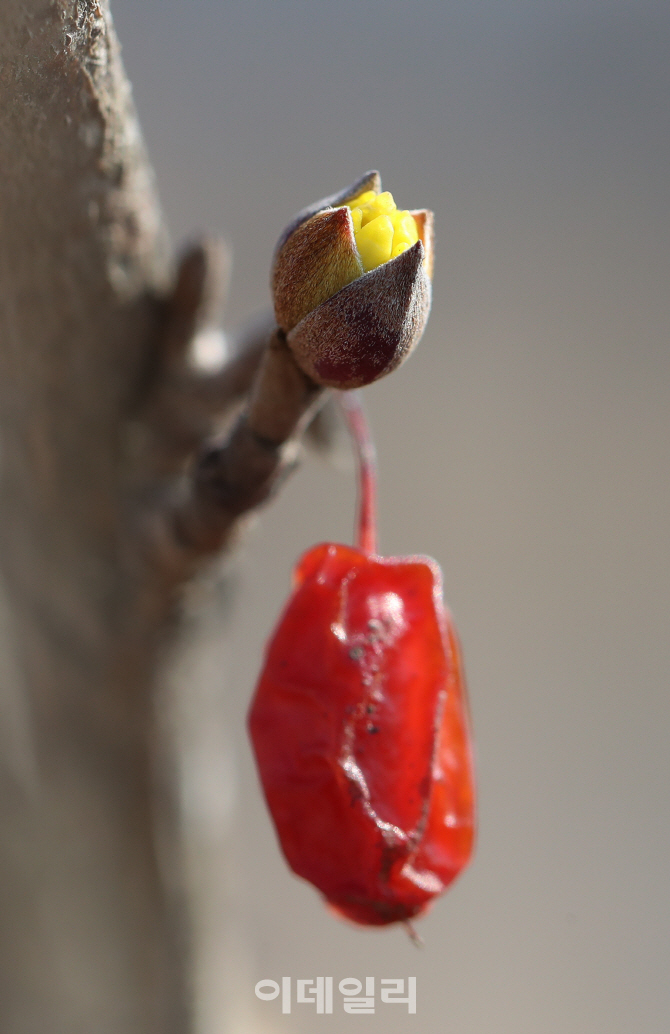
x: 235, y: 476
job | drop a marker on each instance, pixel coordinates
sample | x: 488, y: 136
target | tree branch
x: 240, y: 474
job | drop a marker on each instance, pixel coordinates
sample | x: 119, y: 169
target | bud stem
x: 364, y: 449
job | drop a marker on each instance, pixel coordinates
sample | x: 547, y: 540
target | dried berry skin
x: 360, y: 731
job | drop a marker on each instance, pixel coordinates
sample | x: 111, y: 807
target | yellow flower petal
x: 374, y: 241
x: 362, y: 199
x: 404, y: 228
x: 398, y: 249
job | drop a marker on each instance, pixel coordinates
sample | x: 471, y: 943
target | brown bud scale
x: 369, y: 327
x: 317, y: 261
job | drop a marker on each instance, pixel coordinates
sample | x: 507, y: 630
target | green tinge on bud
x: 347, y: 328
x: 370, y: 181
x: 318, y: 260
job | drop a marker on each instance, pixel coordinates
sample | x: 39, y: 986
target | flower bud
x: 351, y: 284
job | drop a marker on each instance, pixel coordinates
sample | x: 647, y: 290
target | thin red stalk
x: 364, y: 449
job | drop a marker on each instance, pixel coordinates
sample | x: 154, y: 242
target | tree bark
x: 87, y: 940
x: 92, y: 371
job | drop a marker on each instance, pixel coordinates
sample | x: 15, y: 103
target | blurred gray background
x: 525, y: 446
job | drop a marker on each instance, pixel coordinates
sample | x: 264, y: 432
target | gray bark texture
x: 104, y: 517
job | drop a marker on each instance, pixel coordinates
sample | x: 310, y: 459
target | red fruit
x: 360, y: 729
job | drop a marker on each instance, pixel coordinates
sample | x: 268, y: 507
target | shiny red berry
x: 360, y: 730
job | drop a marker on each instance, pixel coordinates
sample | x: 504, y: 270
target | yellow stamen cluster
x: 382, y: 232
